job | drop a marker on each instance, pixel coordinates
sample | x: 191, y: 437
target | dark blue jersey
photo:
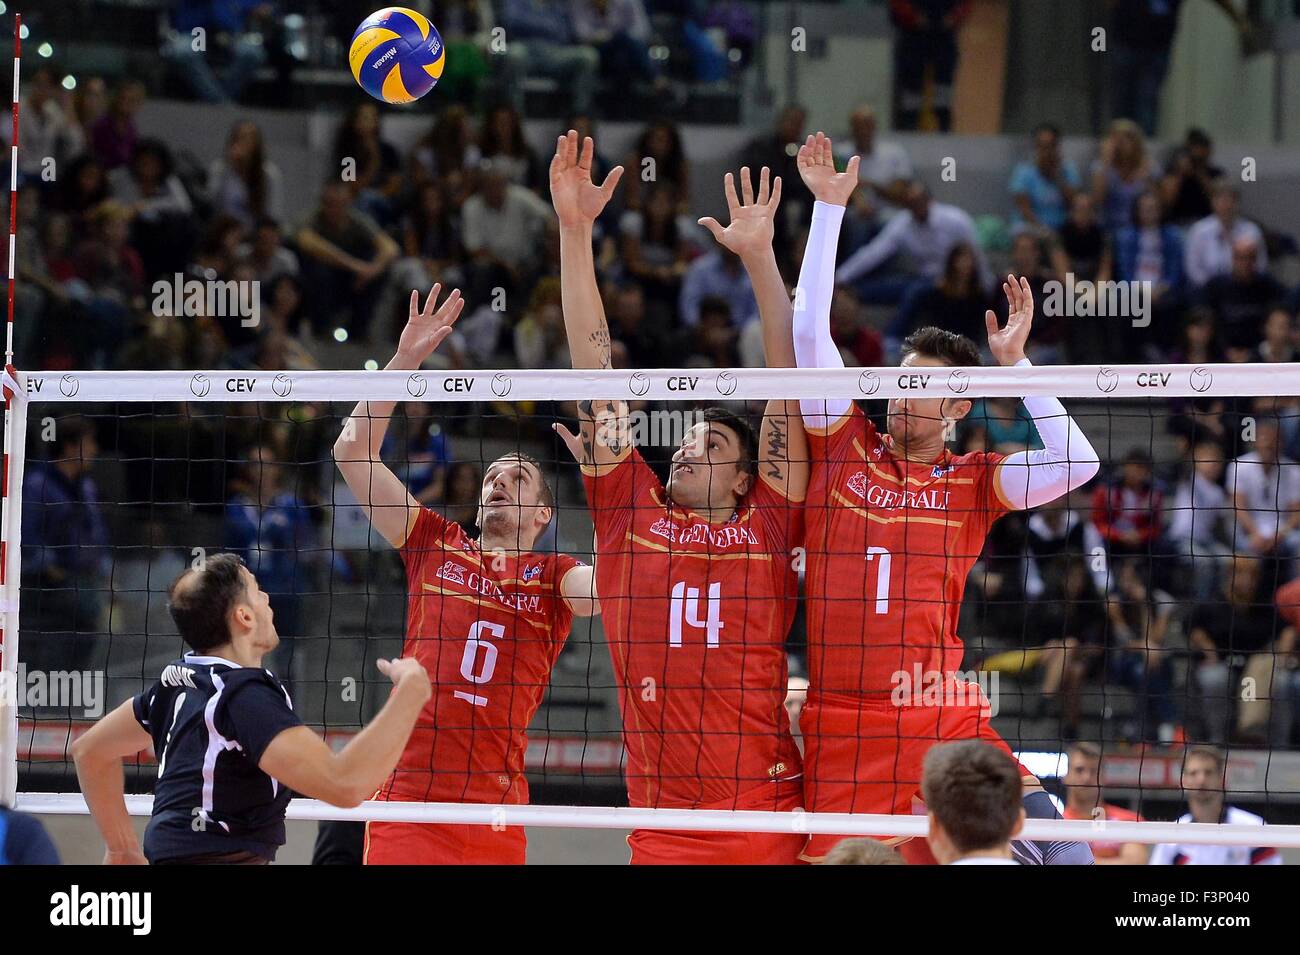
x: 24, y: 841
x: 211, y: 720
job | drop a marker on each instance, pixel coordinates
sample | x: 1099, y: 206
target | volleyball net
x: 1147, y: 612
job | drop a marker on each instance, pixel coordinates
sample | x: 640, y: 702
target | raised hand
x: 427, y: 327
x: 578, y: 200
x: 751, y: 228
x: 817, y: 167
x: 1008, y: 343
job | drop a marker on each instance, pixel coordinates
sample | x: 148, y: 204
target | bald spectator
x: 1084, y: 801
x: 862, y: 851
x: 1210, y: 241
x: 885, y: 166
x: 1242, y: 298
x: 972, y: 793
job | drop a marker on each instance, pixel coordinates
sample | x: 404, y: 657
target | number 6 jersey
x: 488, y: 626
x: 696, y: 616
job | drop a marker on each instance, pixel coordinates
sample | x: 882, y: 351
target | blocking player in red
x: 486, y: 617
x: 696, y: 580
x: 895, y: 522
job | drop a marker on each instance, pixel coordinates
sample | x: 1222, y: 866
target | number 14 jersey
x: 696, y: 616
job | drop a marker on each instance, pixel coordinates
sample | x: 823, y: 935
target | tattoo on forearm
x: 776, y: 449
x: 601, y: 340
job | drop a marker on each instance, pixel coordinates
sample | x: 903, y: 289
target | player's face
x: 510, y: 500
x: 706, y: 469
x: 1201, y: 778
x: 1082, y: 774
x: 920, y: 421
x: 265, y: 636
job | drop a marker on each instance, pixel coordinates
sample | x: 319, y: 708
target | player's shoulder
x: 1240, y: 817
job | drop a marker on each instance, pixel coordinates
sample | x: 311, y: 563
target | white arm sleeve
x: 813, y: 345
x: 1067, y: 460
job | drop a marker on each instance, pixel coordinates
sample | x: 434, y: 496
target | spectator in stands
x: 1139, y: 655
x: 343, y: 254
x: 925, y: 60
x: 1279, y: 342
x: 884, y: 165
x: 923, y: 234
x: 268, y: 255
x: 1071, y: 632
x: 1199, y: 520
x: 65, y: 562
x: 1264, y: 485
x: 504, y: 226
x: 1044, y: 188
x: 1084, y: 802
x: 1127, y: 511
x: 956, y: 301
x: 540, y: 340
x: 717, y: 274
x: 862, y: 851
x: 283, y: 319
x: 646, y: 345
x: 1052, y: 326
x: 461, y: 501
x: 1199, y: 343
x: 230, y: 31
x: 1243, y: 298
x: 162, y: 225
x: 1143, y: 34
x: 1245, y: 653
x: 542, y: 43
x: 372, y: 164
x: 1122, y: 172
x: 1204, y: 783
x: 431, y: 249
x: 1210, y: 242
x: 1151, y: 252
x: 421, y: 453
x: 715, y: 336
x: 270, y: 527
x: 48, y: 133
x: 503, y: 145
x: 973, y: 795
x: 447, y: 154
x: 244, y: 183
x: 778, y: 151
x: 114, y: 273
x: 114, y: 135
x: 1189, y: 180
x: 23, y: 840
x: 85, y: 186
x: 89, y: 103
x: 466, y: 29
x: 658, y: 159
x: 657, y: 243
x: 860, y: 343
x: 620, y: 31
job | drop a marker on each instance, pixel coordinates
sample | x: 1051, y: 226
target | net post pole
x: 15, y: 422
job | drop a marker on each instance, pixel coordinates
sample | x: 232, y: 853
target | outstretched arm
x: 389, y: 505
x: 813, y: 345
x: 578, y: 201
x: 1067, y: 460
x: 782, y: 443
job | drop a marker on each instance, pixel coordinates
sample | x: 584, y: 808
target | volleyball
x: 396, y: 55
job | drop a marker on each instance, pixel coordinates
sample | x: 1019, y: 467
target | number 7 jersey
x: 890, y: 544
x: 696, y: 616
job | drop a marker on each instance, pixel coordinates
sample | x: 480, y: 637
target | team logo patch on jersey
x: 451, y: 571
x: 940, y: 470
x: 531, y: 572
x: 664, y: 527
x: 858, y: 484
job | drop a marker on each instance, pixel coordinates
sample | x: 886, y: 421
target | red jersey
x: 696, y: 616
x: 890, y: 544
x: 1105, y: 850
x: 488, y: 627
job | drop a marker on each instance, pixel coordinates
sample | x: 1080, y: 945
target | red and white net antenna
x: 9, y: 510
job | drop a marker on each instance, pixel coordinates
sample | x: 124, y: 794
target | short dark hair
x: 1048, y: 128
x: 1197, y: 137
x: 744, y: 434
x: 200, y: 600
x: 69, y: 432
x: 1207, y: 752
x: 939, y: 343
x: 974, y: 792
x: 548, y: 494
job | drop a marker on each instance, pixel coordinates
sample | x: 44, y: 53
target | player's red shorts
x: 656, y: 847
x: 864, y: 755
x: 417, y: 843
